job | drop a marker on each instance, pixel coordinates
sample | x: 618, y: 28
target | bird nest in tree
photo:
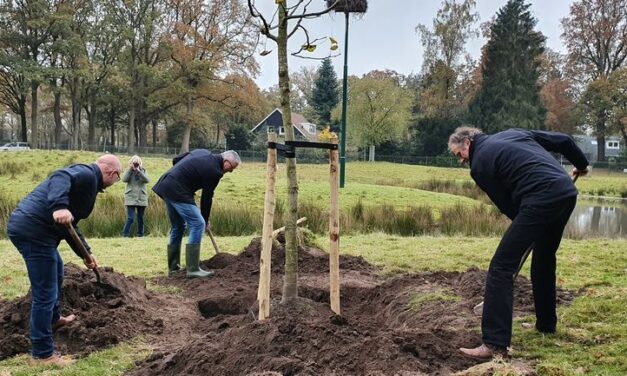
x: 349, y: 6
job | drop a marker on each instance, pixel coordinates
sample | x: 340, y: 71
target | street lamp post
x: 346, y: 6
x: 343, y: 126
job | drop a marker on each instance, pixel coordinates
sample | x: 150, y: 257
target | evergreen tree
x: 509, y: 95
x: 324, y: 96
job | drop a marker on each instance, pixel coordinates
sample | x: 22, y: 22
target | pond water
x: 595, y: 217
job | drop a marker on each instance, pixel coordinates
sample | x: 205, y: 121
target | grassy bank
x: 20, y: 172
x: 378, y: 197
x: 592, y: 333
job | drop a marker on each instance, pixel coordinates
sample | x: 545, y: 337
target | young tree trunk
x: 371, y: 153
x: 131, y: 130
x: 58, y: 125
x: 24, y: 132
x: 142, y: 133
x: 600, y: 131
x: 290, y: 280
x: 91, y: 119
x: 188, y: 126
x: 217, y: 134
x: 34, y: 131
x: 154, y: 133
x: 112, y: 123
x: 600, y: 147
x: 76, y: 109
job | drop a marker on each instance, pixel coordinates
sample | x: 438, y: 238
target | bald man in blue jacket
x: 37, y: 226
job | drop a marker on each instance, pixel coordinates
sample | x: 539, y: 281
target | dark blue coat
x: 515, y: 168
x: 74, y: 188
x: 198, y: 169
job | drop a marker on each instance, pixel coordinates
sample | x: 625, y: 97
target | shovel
x: 82, y: 249
x: 213, y: 240
x: 478, y: 309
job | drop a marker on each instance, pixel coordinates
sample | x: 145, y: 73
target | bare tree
x: 278, y: 30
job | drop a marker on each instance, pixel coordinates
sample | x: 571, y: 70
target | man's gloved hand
x: 63, y: 216
x: 91, y: 262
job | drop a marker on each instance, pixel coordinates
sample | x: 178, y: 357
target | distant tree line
x: 163, y: 72
x: 150, y: 71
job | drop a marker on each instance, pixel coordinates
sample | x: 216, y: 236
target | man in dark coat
x: 198, y: 169
x: 36, y: 227
x: 528, y: 185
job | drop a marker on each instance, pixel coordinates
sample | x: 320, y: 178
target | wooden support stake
x: 263, y: 294
x: 334, y: 232
x: 278, y: 230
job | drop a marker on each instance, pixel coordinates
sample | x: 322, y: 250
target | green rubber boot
x: 174, y: 258
x: 192, y: 261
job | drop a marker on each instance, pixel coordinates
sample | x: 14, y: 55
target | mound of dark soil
x: 108, y: 313
x: 405, y: 325
x: 409, y: 324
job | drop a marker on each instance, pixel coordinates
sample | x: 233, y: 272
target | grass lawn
x: 591, y: 339
x: 21, y: 172
x: 592, y: 336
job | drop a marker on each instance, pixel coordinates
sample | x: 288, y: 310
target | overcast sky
x: 385, y: 37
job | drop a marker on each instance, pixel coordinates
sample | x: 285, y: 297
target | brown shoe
x: 63, y: 321
x: 53, y: 360
x: 484, y: 352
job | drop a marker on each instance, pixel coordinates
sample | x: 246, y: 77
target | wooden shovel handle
x: 81, y: 247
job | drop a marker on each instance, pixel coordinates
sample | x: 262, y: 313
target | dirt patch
x: 116, y: 310
x: 406, y: 325
x: 409, y: 324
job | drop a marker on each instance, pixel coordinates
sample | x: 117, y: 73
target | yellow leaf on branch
x: 309, y: 47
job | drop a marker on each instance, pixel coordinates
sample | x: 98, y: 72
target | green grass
x: 112, y: 361
x: 379, y: 199
x: 592, y: 334
x: 20, y: 172
x: 396, y: 199
x: 419, y: 301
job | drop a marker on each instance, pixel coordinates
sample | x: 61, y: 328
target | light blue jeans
x: 183, y: 216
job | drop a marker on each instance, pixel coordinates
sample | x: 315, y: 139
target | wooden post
x: 334, y: 232
x: 263, y: 294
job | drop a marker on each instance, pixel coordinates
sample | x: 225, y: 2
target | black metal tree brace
x: 289, y: 149
x: 284, y: 150
x: 315, y: 145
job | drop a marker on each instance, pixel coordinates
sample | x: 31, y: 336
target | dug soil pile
x: 406, y: 325
x: 116, y: 310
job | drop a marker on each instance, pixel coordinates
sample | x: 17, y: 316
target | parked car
x: 15, y: 146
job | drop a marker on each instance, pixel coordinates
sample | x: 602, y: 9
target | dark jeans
x: 45, y: 272
x: 131, y: 217
x: 543, y: 227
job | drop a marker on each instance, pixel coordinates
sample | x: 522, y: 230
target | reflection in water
x: 598, y: 218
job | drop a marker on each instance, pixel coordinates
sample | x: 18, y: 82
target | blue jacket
x: 514, y: 167
x: 196, y: 170
x: 74, y: 188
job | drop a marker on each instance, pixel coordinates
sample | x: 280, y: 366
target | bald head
x: 110, y: 168
x: 109, y: 160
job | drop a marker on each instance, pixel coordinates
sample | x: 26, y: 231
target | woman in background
x: 135, y: 195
